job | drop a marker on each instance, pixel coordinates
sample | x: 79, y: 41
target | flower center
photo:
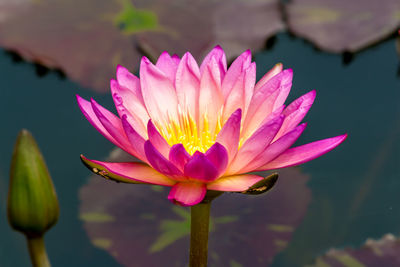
x: 187, y: 133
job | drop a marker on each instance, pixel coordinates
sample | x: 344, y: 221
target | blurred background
x: 339, y: 210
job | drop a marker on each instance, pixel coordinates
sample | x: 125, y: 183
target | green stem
x: 38, y: 252
x: 199, y: 228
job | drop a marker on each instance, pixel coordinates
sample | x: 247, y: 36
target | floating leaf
x: 138, y: 226
x: 87, y: 40
x: 11, y: 8
x: 236, y: 25
x: 382, y: 252
x: 342, y: 25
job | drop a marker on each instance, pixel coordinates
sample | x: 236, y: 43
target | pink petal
x: 241, y: 93
x: 246, y: 133
x: 218, y: 155
x: 129, y: 81
x: 135, y: 139
x: 249, y: 82
x: 160, y: 163
x: 157, y: 140
x: 187, y: 194
x: 218, y: 55
x: 200, y: 168
x: 235, y: 98
x: 267, y: 99
x: 178, y: 156
x: 129, y: 104
x: 237, y: 67
x: 114, y: 127
x: 274, y: 71
x: 295, y: 112
x: 168, y: 65
x: 230, y: 134
x: 210, y: 97
x: 158, y: 93
x: 256, y: 144
x: 135, y: 171
x: 285, y: 86
x: 187, y: 85
x: 275, y: 149
x: 86, y: 108
x: 176, y: 59
x: 298, y: 155
x: 235, y: 183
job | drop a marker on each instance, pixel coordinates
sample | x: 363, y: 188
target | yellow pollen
x: 187, y: 133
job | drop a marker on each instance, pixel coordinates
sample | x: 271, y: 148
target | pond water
x: 336, y: 201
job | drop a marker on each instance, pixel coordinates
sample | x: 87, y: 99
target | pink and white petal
x: 210, y: 97
x: 168, y: 65
x: 178, y: 156
x: 254, y: 118
x: 218, y: 155
x: 246, y: 133
x: 230, y: 134
x: 235, y: 98
x: 237, y: 67
x: 160, y: 163
x: 157, y: 140
x: 219, y: 55
x: 129, y: 81
x: 200, y: 168
x: 187, y: 194
x: 275, y: 149
x: 135, y: 139
x: 285, y: 86
x: 249, y: 82
x: 87, y: 110
x: 176, y: 59
x: 301, y: 154
x: 114, y: 127
x: 133, y: 97
x: 241, y: 93
x: 295, y: 112
x: 274, y: 71
x: 255, y: 144
x: 234, y: 183
x: 127, y: 103
x: 158, y: 93
x: 266, y: 99
x: 187, y: 84
x: 128, y: 172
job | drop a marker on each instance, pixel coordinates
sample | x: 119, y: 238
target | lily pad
x: 382, y: 252
x: 197, y: 26
x: 341, y: 25
x: 87, y: 40
x: 10, y: 8
x: 138, y: 226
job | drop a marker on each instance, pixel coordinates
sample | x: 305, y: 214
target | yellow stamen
x: 187, y: 132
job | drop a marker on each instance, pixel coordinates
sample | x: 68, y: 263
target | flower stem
x: 199, y: 228
x: 38, y: 252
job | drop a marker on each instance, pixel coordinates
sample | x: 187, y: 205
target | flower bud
x: 32, y: 200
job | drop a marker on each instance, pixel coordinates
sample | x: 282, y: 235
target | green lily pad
x: 382, y: 252
x: 88, y: 39
x: 343, y: 26
x: 138, y: 226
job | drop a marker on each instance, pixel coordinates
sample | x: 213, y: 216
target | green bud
x: 32, y: 200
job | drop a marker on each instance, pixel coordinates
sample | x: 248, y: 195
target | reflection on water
x: 354, y: 188
x: 140, y: 227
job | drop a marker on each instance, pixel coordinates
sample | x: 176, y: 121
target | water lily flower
x: 199, y: 128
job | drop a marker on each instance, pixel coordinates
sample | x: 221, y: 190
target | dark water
x: 354, y: 188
